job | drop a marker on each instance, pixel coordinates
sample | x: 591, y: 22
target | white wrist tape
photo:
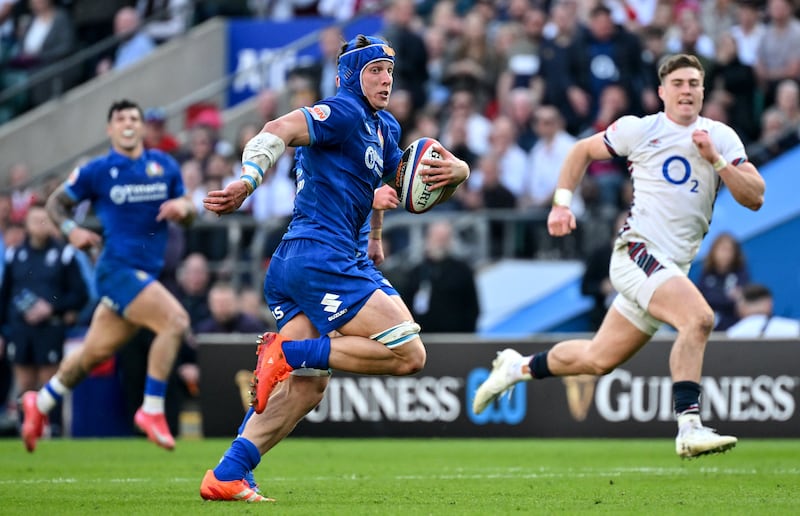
x: 720, y: 163
x: 562, y: 197
x: 259, y: 155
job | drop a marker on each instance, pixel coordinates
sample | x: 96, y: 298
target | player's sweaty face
x: 126, y: 130
x: 376, y: 81
x: 682, y: 93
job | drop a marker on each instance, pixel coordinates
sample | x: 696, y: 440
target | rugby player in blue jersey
x: 134, y: 192
x: 314, y: 285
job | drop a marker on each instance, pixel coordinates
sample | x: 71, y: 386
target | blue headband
x: 353, y: 61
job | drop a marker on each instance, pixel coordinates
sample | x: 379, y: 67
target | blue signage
x: 260, y: 53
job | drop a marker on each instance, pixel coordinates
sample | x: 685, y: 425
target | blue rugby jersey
x: 352, y: 151
x: 126, y: 195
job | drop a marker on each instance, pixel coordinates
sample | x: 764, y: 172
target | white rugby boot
x: 506, y: 372
x: 695, y: 440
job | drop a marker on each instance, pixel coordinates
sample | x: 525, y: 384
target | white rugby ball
x: 416, y: 196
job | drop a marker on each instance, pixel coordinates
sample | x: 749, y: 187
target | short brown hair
x: 677, y: 61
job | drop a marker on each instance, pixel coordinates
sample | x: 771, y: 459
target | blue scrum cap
x: 353, y: 61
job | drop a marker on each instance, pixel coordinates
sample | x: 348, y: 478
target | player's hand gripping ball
x: 416, y: 196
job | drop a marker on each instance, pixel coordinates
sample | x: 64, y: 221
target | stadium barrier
x: 750, y: 389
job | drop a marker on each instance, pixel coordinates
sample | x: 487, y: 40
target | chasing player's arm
x: 744, y: 181
x: 561, y: 220
x: 59, y: 206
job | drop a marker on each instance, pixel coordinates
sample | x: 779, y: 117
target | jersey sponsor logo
x: 114, y: 172
x: 373, y: 160
x: 154, y: 169
x: 331, y: 302
x: 120, y: 194
x: 319, y: 112
x: 141, y: 275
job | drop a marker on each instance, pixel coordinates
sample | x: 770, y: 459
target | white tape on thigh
x: 397, y: 335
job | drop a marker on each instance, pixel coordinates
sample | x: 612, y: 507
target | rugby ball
x: 416, y: 196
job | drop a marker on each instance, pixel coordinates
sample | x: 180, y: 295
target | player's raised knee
x: 404, y: 339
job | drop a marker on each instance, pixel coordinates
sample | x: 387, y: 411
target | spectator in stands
x: 717, y: 17
x: 778, y: 55
x: 226, y: 314
x: 165, y: 19
x: 344, y: 10
x: 775, y: 138
x: 487, y: 192
x: 134, y: 44
x: 545, y: 161
x: 755, y: 308
x: 736, y: 83
x: 787, y: 99
x: 401, y: 106
x: 690, y: 38
x: 471, y: 63
x: 202, y: 140
x: 23, y: 194
x: 723, y: 275
x: 156, y: 135
x: 523, y: 70
x: 514, y: 171
x: 47, y: 37
x: 194, y: 185
x: 560, y: 34
x: 41, y: 292
x: 465, y: 109
x: 323, y: 72
x: 519, y: 107
x: 251, y: 302
x: 194, y: 280
x: 441, y: 289
x: 7, y: 36
x: 605, y: 54
x: 411, y: 72
x: 748, y: 31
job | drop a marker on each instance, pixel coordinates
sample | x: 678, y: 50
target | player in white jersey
x: 677, y: 160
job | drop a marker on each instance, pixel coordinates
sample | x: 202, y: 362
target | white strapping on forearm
x: 260, y: 154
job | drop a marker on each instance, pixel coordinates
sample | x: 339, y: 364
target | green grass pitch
x: 407, y: 477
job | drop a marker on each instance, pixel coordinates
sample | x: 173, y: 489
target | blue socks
x: 686, y: 397
x: 240, y: 459
x: 153, y: 387
x: 313, y: 353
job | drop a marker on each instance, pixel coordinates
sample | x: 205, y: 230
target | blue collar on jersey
x: 353, y: 61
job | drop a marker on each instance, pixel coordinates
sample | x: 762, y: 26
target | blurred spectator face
x: 40, y: 6
x: 462, y: 101
x: 726, y: 48
x: 548, y: 122
x: 747, y: 15
x: 488, y: 165
x: 773, y: 124
x: 520, y: 106
x: 401, y: 12
x: 222, y: 303
x: 192, y: 175
x: 201, y: 142
x: 503, y: 133
x: 267, y: 103
x: 14, y: 235
x: 780, y: 11
x: 218, y: 167
x: 787, y: 96
x: 435, y: 42
x: 245, y: 134
x: 439, y: 240
x: 534, y: 22
x: 614, y: 100
x: 5, y: 210
x: 194, y: 274
x: 251, y: 302
x: 723, y: 253
x: 715, y: 110
x: 18, y: 175
x: 126, y: 22
x: 38, y: 224
x: 601, y: 25
x: 330, y: 43
x: 400, y: 105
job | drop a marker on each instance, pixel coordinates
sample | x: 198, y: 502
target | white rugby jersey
x: 674, y: 188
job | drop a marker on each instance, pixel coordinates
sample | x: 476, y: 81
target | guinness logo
x: 580, y: 393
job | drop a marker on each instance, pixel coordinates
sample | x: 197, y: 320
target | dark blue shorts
x: 118, y: 284
x: 36, y: 345
x: 324, y: 283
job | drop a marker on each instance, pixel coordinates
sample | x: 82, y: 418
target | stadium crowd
x: 508, y: 85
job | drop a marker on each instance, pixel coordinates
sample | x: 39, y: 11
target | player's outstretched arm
x: 59, y: 206
x: 561, y: 220
x: 259, y: 155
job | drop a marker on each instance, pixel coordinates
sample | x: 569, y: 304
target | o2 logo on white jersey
x: 373, y: 160
x: 677, y: 170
